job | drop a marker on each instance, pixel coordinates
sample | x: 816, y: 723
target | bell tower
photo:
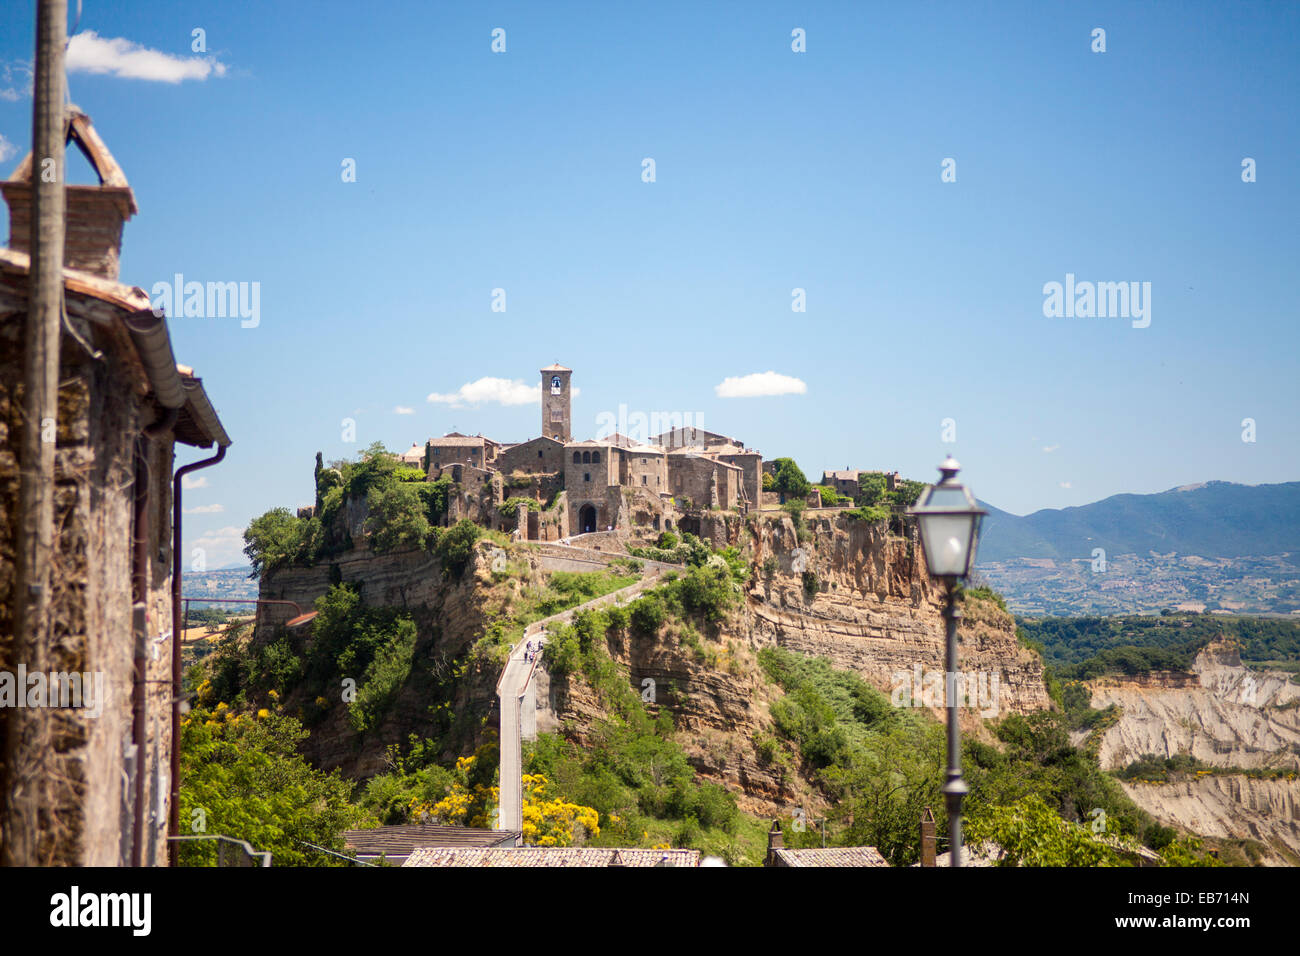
x: 557, y: 421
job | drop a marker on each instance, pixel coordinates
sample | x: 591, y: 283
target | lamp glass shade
x: 948, y: 540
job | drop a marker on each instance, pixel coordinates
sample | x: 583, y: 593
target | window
x: 539, y: 453
x: 643, y: 479
x: 586, y: 458
x: 557, y: 414
x: 595, y: 458
x: 556, y: 385
x: 586, y: 476
x: 577, y: 458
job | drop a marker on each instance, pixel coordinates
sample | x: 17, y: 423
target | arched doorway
x: 586, y: 519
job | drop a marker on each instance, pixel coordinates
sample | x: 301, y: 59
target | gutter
x: 174, y: 805
x: 153, y: 344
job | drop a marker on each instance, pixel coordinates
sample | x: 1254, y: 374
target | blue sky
x: 774, y: 170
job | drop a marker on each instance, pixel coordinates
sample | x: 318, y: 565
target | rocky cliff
x: 1225, y: 715
x: 1220, y: 712
x: 849, y: 592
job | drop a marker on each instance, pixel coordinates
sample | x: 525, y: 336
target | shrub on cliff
x: 398, y: 518
x: 455, y: 546
x: 384, y: 675
x: 647, y: 613
x: 708, y: 591
x: 868, y: 513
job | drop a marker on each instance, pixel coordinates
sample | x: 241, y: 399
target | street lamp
x: 949, y: 520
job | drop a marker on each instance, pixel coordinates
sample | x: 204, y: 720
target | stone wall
x: 99, y: 418
x: 692, y: 478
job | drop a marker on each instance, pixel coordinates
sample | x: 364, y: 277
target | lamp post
x: 949, y: 520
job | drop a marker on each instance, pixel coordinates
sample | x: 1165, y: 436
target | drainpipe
x: 174, y: 805
x: 139, y: 618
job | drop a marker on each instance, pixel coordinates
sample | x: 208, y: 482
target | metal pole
x: 28, y: 729
x: 955, y: 789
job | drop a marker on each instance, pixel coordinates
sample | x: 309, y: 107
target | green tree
x: 456, y: 545
x: 1032, y: 834
x: 242, y: 777
x: 790, y: 479
x: 398, y: 518
x: 273, y: 540
x: 871, y: 488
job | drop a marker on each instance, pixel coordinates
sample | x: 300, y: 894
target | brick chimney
x: 927, y: 838
x: 775, y: 841
x: 96, y: 214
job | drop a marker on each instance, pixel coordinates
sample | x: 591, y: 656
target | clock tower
x: 557, y: 421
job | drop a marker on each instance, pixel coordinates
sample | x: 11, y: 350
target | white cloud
x: 190, y: 482
x: 1050, y: 448
x: 1066, y: 484
x: 7, y: 149
x: 205, y: 509
x: 221, y: 547
x: 503, y: 391
x: 16, y: 80
x: 759, y: 384
x: 88, y: 52
x: 403, y: 410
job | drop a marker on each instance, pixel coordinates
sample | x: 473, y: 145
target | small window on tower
x: 556, y: 386
x: 557, y: 414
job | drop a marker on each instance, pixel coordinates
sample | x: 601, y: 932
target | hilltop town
x: 555, y: 487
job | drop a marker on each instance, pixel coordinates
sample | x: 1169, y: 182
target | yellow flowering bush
x: 547, y: 820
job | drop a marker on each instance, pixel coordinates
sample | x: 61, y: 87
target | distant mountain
x: 1218, y: 519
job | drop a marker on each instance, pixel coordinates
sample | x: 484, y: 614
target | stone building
x: 123, y: 404
x: 845, y: 482
x: 455, y: 448
x: 538, y: 456
x: 697, y: 481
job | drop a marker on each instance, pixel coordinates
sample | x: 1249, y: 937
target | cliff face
x: 873, y: 610
x: 876, y: 611
x: 878, y: 615
x: 1225, y: 715
x: 1230, y: 806
x: 1220, y: 712
x: 450, y: 615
